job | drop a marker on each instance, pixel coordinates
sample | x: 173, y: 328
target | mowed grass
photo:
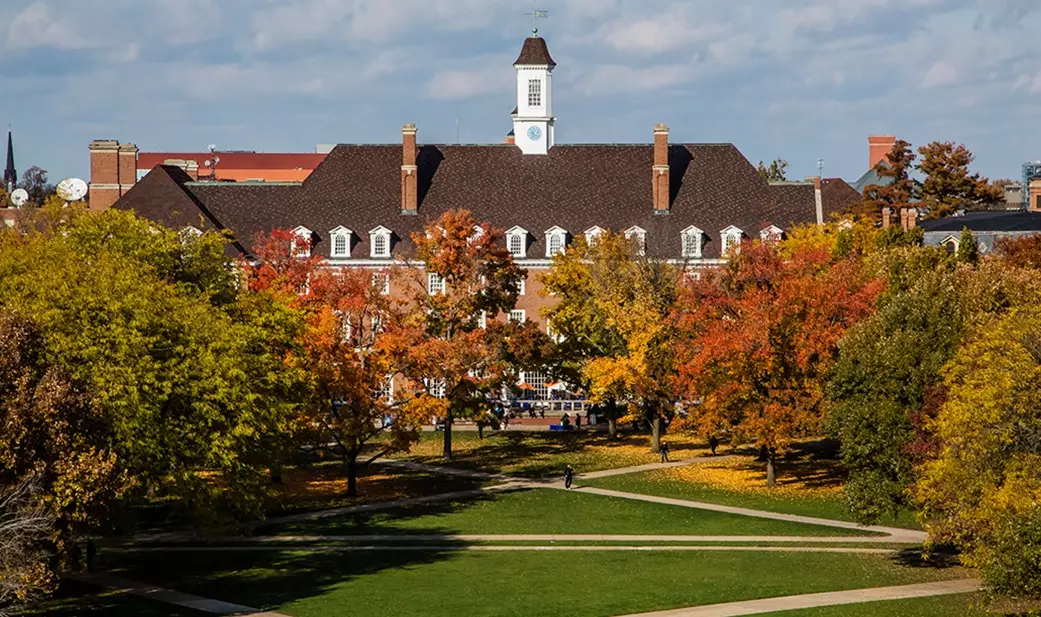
x: 544, y: 453
x: 701, y: 483
x: 958, y: 605
x: 519, y: 584
x: 75, y: 599
x: 550, y: 511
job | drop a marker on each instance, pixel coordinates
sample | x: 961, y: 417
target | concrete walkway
x: 169, y: 596
x: 813, y: 600
x: 542, y: 537
x: 462, y: 548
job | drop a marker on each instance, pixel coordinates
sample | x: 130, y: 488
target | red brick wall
x: 878, y: 147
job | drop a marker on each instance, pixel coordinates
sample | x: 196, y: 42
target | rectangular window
x: 537, y: 383
x: 521, y: 284
x: 691, y: 245
x: 516, y: 247
x: 435, y: 283
x: 435, y: 387
x: 340, y: 246
x: 381, y: 281
x: 518, y: 316
x: 301, y: 247
x: 386, y: 390
x: 380, y: 246
x: 534, y: 93
x: 639, y: 242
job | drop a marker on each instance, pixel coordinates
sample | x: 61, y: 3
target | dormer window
x: 340, y: 242
x: 690, y: 242
x: 478, y: 232
x: 517, y: 242
x: 300, y: 245
x: 731, y: 238
x: 593, y: 233
x: 379, y: 241
x: 556, y: 240
x: 771, y: 234
x: 637, y: 236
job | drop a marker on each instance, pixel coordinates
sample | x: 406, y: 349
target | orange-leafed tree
x: 350, y: 403
x: 759, y: 337
x: 948, y: 186
x: 896, y: 188
x: 451, y: 347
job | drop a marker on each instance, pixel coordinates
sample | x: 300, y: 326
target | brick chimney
x: 409, y: 171
x: 660, y: 171
x: 510, y: 139
x: 878, y: 147
x: 887, y: 216
x: 113, y: 172
x: 818, y: 199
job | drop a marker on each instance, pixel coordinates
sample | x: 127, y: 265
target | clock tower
x: 533, y: 119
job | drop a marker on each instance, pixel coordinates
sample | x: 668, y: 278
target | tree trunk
x: 771, y: 476
x: 352, y: 475
x: 656, y: 435
x: 612, y: 427
x: 448, y: 436
x: 480, y: 429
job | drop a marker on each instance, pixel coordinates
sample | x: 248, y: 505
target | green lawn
x: 659, y: 483
x: 960, y: 605
x: 79, y: 599
x: 544, y: 453
x: 525, y: 584
x: 551, y: 511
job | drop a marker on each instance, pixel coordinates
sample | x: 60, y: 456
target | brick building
x: 683, y: 202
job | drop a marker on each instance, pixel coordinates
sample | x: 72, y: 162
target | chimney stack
x: 409, y: 170
x: 818, y: 199
x: 878, y: 147
x: 660, y: 171
x: 887, y: 216
x: 510, y: 139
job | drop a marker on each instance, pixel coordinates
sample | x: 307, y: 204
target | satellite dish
x: 19, y: 197
x: 72, y: 189
x: 207, y: 163
x: 212, y: 147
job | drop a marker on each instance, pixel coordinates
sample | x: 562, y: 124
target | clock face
x: 534, y: 133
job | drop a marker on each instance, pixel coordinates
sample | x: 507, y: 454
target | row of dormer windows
x: 692, y: 240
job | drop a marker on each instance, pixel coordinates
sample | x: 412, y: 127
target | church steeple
x: 10, y: 175
x: 533, y: 121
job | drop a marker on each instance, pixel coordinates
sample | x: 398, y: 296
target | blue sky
x: 799, y: 79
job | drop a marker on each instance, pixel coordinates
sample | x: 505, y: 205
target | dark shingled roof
x: 535, y: 52
x: 575, y: 187
x: 986, y: 221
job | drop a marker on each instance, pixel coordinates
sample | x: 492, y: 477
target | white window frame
x: 534, y: 93
x: 692, y: 242
x: 730, y: 237
x: 640, y: 236
x: 521, y: 235
x: 435, y: 283
x: 559, y: 234
x: 383, y: 233
x: 522, y: 285
x: 303, y: 235
x: 339, y: 233
x: 518, y: 316
x: 951, y: 239
x: 773, y: 233
x: 593, y: 233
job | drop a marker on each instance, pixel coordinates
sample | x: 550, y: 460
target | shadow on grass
x: 939, y: 558
x: 75, y: 599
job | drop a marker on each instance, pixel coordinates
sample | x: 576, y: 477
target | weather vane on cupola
x: 535, y: 14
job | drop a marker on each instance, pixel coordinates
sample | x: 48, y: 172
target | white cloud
x: 939, y: 75
x: 38, y: 26
x: 459, y: 84
x: 615, y: 78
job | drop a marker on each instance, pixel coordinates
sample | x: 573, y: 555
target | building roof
x: 236, y: 160
x: 535, y: 52
x: 575, y: 187
x: 991, y: 221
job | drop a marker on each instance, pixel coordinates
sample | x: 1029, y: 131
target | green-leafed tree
x: 774, y: 172
x: 948, y: 186
x: 896, y: 188
x: 613, y: 317
x: 968, y: 250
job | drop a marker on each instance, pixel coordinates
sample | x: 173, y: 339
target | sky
x: 798, y: 79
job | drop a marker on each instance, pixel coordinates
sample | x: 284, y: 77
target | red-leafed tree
x: 349, y: 403
x: 457, y: 356
x: 760, y: 336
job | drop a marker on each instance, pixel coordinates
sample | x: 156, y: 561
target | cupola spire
x: 533, y: 121
x: 10, y: 175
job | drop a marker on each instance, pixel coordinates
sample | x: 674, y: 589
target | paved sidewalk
x: 542, y: 537
x: 169, y: 596
x: 462, y: 548
x: 813, y: 600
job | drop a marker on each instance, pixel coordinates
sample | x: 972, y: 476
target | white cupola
x: 533, y: 118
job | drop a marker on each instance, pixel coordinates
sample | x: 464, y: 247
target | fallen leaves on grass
x: 803, y: 478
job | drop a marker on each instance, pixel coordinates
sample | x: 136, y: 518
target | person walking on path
x: 713, y: 443
x: 663, y: 449
x: 569, y: 476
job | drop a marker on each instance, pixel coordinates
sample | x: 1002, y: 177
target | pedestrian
x: 569, y: 475
x: 713, y: 443
x: 663, y: 449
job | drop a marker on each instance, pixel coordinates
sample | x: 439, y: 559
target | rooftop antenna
x: 535, y: 14
x: 211, y: 163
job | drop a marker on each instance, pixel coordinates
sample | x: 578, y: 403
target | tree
x: 968, y: 250
x: 761, y: 336
x: 34, y: 181
x: 948, y: 185
x: 887, y: 381
x: 775, y: 172
x: 454, y: 366
x: 1020, y: 251
x: 25, y: 524
x: 982, y: 490
x: 349, y: 403
x: 613, y: 317
x: 896, y: 188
